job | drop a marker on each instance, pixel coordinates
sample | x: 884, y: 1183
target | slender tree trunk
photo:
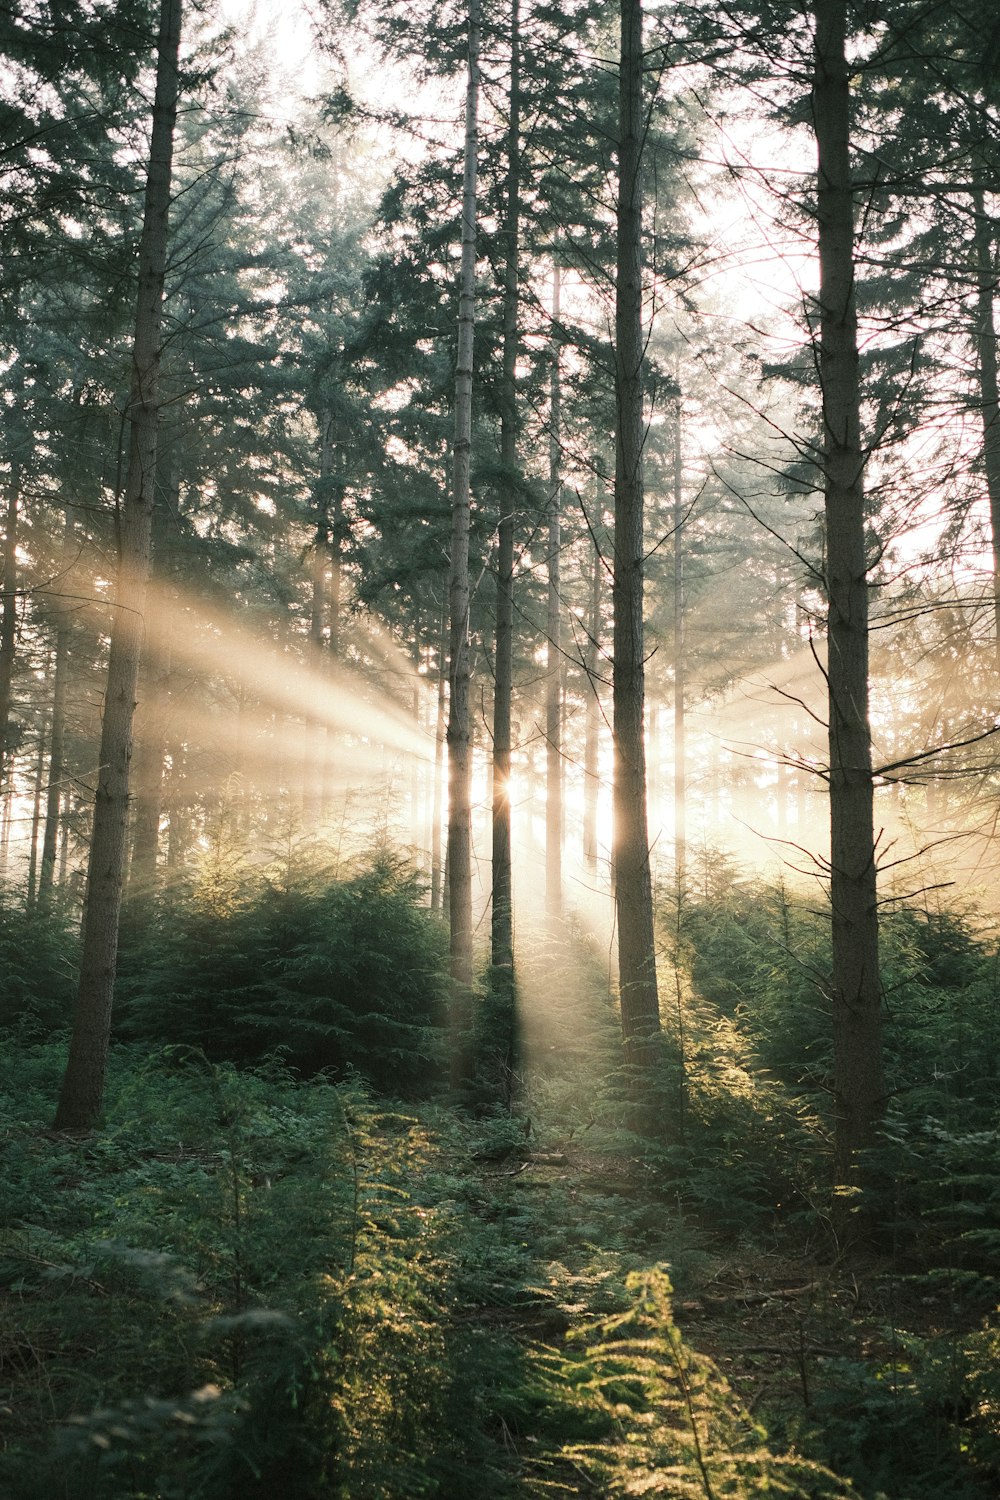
x: 36, y: 801
x: 592, y: 723
x: 334, y: 598
x: 57, y: 735
x: 439, y: 745
x: 554, y: 663
x: 859, y: 1090
x: 317, y: 735
x: 680, y: 745
x: 502, y: 923
x: 633, y: 888
x: 9, y: 618
x: 459, y: 714
x: 82, y: 1094
x: 989, y: 388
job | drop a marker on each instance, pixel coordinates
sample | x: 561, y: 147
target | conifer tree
x: 82, y: 1091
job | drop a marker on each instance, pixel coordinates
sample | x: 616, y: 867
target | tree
x: 459, y: 733
x: 859, y: 1088
x: 632, y: 880
x: 82, y: 1092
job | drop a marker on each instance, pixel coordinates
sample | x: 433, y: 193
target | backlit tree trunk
x: 553, y: 664
x: 502, y: 924
x: 57, y: 733
x: 8, y: 618
x: 859, y: 1090
x: 633, y: 891
x: 680, y: 737
x: 592, y: 722
x: 989, y: 388
x: 83, y: 1085
x: 459, y: 856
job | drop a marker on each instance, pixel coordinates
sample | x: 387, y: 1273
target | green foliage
x: 331, y: 974
x: 662, y: 1420
x: 167, y: 1285
x: 37, y: 967
x: 921, y: 1422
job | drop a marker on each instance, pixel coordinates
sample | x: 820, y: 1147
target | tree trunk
x: 459, y: 715
x: 439, y: 741
x: 633, y: 889
x: 989, y: 389
x: 82, y: 1094
x: 859, y: 1091
x: 57, y: 734
x: 592, y: 722
x: 680, y: 746
x: 8, y: 620
x: 36, y: 801
x: 317, y: 737
x: 553, y: 664
x: 502, y: 923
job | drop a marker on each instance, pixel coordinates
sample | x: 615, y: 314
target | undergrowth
x: 263, y: 1280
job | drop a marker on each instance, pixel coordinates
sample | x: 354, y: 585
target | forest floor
x: 245, y: 1287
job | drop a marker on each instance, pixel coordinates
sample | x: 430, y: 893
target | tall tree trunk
x: 554, y: 664
x: 57, y: 734
x: 439, y: 742
x: 859, y: 1091
x: 989, y: 388
x: 680, y: 746
x: 83, y: 1085
x: 633, y: 887
x: 316, y: 774
x: 592, y: 722
x: 36, y: 801
x: 502, y: 920
x: 9, y: 620
x: 459, y: 714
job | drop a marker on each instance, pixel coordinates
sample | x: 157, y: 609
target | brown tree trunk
x: 859, y: 1090
x: 554, y: 663
x: 57, y: 733
x: 439, y: 743
x: 633, y: 887
x: 459, y: 708
x: 82, y: 1093
x: 592, y: 722
x: 502, y: 914
x: 36, y: 801
x: 9, y: 619
x: 989, y: 388
x: 680, y: 738
x: 317, y: 737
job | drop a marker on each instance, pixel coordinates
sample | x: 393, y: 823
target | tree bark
x: 633, y: 887
x: 592, y: 723
x: 553, y: 663
x: 680, y: 737
x: 9, y: 619
x: 502, y: 913
x: 989, y: 389
x: 82, y: 1093
x: 859, y: 1090
x: 57, y: 733
x: 459, y: 736
x: 36, y: 801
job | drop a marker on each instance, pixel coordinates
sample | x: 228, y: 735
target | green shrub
x: 340, y: 975
x: 38, y: 977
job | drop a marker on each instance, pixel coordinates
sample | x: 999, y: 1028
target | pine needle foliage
x: 342, y: 974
